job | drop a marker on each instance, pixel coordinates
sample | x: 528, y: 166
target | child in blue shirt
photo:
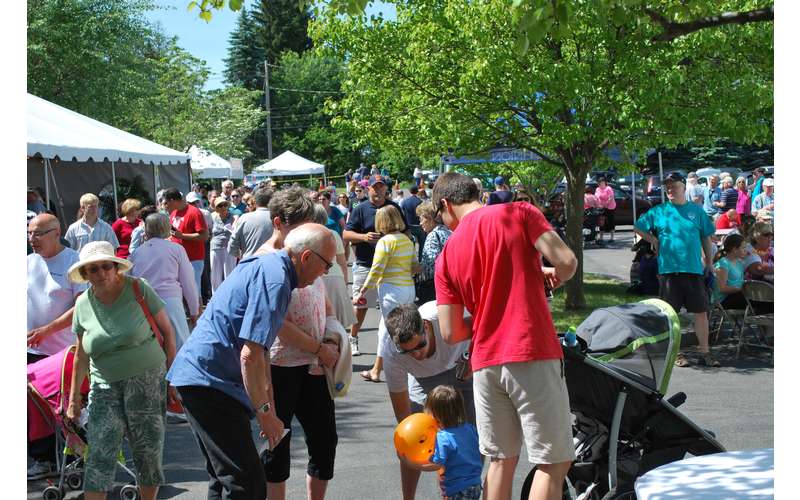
x: 456, y: 455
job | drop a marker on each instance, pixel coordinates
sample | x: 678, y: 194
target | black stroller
x: 593, y: 220
x: 623, y: 426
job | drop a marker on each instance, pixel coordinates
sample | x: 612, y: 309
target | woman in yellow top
x: 392, y: 271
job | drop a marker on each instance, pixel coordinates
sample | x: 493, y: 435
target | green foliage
x: 300, y: 122
x: 449, y: 74
x: 281, y: 26
x: 244, y: 66
x: 102, y: 59
x: 599, y: 291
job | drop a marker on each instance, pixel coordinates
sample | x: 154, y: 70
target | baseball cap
x: 675, y: 177
x: 499, y: 181
x: 192, y: 197
x: 377, y: 178
x: 769, y: 181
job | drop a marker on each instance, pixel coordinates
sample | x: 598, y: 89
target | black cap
x: 675, y: 177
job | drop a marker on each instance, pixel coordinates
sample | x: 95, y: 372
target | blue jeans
x: 197, y: 265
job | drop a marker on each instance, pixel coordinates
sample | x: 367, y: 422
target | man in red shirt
x: 491, y: 265
x: 728, y: 220
x: 189, y: 230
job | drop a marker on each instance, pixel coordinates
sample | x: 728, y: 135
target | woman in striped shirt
x: 392, y: 271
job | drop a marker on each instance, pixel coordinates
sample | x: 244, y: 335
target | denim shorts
x: 135, y: 408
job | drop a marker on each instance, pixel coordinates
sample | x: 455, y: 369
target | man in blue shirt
x: 712, y: 197
x: 360, y: 232
x: 680, y: 234
x: 409, y: 206
x: 222, y: 371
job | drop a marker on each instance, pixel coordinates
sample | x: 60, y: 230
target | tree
x: 230, y: 117
x: 85, y: 55
x: 303, y: 85
x: 282, y: 26
x: 451, y: 74
x: 244, y: 66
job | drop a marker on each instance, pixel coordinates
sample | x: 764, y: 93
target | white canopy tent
x: 83, y: 153
x: 289, y: 164
x: 208, y: 165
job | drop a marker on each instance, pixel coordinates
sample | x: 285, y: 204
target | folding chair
x: 757, y: 291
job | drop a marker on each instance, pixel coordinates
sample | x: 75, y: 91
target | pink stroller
x: 48, y: 392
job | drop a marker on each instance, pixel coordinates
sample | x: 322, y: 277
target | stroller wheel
x: 52, y: 493
x: 75, y: 481
x: 129, y: 492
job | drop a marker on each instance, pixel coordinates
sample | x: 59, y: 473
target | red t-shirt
x: 490, y: 266
x: 189, y: 220
x: 123, y: 229
x: 724, y: 222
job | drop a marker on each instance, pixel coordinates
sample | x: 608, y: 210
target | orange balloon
x: 415, y: 437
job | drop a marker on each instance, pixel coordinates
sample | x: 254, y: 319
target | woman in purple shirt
x: 166, y: 267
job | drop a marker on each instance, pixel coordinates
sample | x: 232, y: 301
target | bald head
x: 44, y: 232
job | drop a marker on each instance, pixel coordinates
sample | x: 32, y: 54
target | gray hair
x: 307, y: 236
x: 727, y: 181
x: 320, y: 215
x: 156, y: 226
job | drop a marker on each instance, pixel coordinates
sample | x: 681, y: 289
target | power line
x: 308, y: 91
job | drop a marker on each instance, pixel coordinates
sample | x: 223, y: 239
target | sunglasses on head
x: 106, y: 266
x: 422, y: 344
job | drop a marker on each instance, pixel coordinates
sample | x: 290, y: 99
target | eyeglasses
x: 235, y: 196
x: 328, y: 265
x: 39, y: 234
x: 422, y: 344
x: 439, y: 209
x: 107, y: 266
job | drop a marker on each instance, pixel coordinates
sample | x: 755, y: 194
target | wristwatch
x: 266, y: 407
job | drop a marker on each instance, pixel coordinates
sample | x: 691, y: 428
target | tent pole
x: 114, y: 183
x: 46, y: 165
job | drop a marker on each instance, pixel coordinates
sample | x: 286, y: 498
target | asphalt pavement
x: 735, y: 402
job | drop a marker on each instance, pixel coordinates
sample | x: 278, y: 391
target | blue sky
x: 209, y: 41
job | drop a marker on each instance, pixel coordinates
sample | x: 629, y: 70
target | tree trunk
x: 573, y: 209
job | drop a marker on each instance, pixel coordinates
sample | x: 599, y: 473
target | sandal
x: 367, y: 375
x: 681, y: 360
x: 708, y: 360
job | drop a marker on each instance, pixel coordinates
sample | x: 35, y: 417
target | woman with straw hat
x: 120, y: 351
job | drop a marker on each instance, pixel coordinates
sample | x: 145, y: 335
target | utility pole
x: 269, y: 111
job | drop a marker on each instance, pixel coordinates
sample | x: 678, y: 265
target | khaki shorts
x: 527, y: 400
x: 359, y: 277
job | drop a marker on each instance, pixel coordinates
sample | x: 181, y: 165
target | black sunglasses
x: 422, y: 344
x: 107, y: 266
x: 328, y: 265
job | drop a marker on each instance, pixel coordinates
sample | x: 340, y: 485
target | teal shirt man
x: 680, y: 230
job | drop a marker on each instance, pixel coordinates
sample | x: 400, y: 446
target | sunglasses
x: 107, y: 266
x: 422, y: 344
x: 328, y: 265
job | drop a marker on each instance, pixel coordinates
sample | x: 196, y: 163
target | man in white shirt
x: 51, y: 301
x: 694, y: 191
x: 90, y: 227
x: 415, y: 360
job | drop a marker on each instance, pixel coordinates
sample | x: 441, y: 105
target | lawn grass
x: 599, y: 291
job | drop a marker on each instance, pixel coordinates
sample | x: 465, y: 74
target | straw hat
x: 96, y: 251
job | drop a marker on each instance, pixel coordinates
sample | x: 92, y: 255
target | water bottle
x: 570, y: 338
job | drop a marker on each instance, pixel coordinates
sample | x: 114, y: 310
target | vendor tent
x: 207, y: 165
x: 70, y: 154
x: 288, y: 163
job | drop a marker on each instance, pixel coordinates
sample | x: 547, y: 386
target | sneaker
x: 176, y: 418
x: 41, y: 470
x: 354, y: 346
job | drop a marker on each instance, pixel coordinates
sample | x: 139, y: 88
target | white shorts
x: 527, y: 400
x: 359, y: 277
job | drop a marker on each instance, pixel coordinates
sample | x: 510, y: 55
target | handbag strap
x: 137, y: 291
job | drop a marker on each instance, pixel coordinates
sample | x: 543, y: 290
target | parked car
x: 554, y: 206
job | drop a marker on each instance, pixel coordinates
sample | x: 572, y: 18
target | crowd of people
x: 216, y: 307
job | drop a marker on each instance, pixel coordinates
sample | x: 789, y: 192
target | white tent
x: 74, y: 154
x: 289, y: 163
x: 207, y: 165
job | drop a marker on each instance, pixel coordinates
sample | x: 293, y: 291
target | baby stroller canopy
x: 643, y: 337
